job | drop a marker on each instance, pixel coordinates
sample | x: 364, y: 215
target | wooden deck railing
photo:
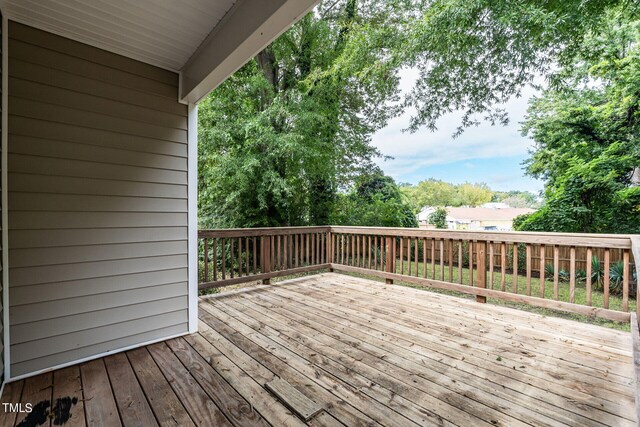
x: 233, y: 256
x: 596, y: 276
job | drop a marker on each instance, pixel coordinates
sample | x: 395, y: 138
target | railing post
x: 390, y: 266
x: 481, y: 276
x: 329, y: 248
x: 265, y: 257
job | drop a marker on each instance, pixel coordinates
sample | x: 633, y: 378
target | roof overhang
x: 204, y: 40
x: 244, y: 32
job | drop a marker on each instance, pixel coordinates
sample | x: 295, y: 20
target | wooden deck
x: 362, y: 353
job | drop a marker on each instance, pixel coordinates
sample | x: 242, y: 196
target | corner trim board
x: 192, y: 179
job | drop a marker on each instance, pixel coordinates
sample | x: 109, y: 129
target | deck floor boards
x: 364, y: 352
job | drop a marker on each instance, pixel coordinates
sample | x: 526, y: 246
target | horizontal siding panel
x: 55, y: 96
x: 26, y: 239
x: 98, y: 239
x: 81, y: 168
x: 56, y: 220
x: 65, y: 325
x: 70, y: 47
x: 74, y: 254
x: 87, y: 68
x: 66, y: 150
x: 96, y: 286
x: 64, y: 80
x: 87, y: 270
x: 77, y: 117
x: 100, y: 305
x: 88, y: 337
x: 29, y: 183
x: 90, y: 351
x: 81, y: 203
x: 26, y: 126
x: 23, y: 239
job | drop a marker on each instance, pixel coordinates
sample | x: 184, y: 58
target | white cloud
x: 411, y: 152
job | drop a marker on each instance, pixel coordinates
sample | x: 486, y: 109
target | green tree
x: 290, y: 131
x: 587, y: 136
x: 375, y: 200
x: 282, y: 136
x: 433, y: 192
x: 438, y: 218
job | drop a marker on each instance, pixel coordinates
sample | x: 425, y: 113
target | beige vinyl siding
x: 97, y: 202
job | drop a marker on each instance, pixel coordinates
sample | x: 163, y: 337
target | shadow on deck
x: 354, y: 352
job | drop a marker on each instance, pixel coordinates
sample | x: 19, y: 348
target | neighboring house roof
x: 486, y: 214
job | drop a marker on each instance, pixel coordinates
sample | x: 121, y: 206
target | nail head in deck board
x: 200, y: 407
x: 225, y: 396
x: 100, y: 406
x: 164, y: 403
x: 304, y: 407
x: 132, y: 404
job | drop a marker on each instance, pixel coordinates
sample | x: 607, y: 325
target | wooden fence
x: 503, y: 265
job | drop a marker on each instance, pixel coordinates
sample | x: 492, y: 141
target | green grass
x: 597, y: 296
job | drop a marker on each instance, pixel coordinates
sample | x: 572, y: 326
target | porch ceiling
x: 204, y: 40
x: 164, y: 33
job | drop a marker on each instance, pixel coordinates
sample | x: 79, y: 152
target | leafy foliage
x: 432, y: 192
x: 374, y: 201
x: 587, y: 136
x: 284, y: 138
x: 438, y: 218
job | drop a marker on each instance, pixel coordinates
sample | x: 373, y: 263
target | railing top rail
x: 612, y: 241
x: 263, y: 231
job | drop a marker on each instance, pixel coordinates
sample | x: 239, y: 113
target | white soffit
x: 164, y: 33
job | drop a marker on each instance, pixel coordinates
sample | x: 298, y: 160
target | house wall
x: 97, y: 203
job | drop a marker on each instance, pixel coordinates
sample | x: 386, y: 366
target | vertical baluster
x: 416, y: 255
x: 442, y: 260
x: 542, y: 261
x: 401, y: 255
x: 409, y: 256
x: 272, y: 258
x: 503, y: 266
x: 375, y: 252
x: 394, y: 254
x: 471, y: 262
x: 491, y: 263
x: 451, y: 260
x: 285, y: 251
x: 357, y: 262
x: 231, y: 257
x: 528, y: 255
x: 433, y: 258
x: 239, y: 256
x: 481, y: 263
x: 589, y: 273
x: 246, y: 255
x: 215, y: 259
x: 297, y: 249
x: 424, y: 257
x: 224, y: 257
x: 625, y: 280
x: 206, y: 260
x: 572, y: 274
x: 460, y: 261
x: 369, y: 252
x: 556, y: 271
x: 607, y: 261
x: 514, y: 286
x: 278, y: 257
x: 342, y: 249
x: 255, y: 257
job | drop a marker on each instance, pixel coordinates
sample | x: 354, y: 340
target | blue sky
x: 489, y: 154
